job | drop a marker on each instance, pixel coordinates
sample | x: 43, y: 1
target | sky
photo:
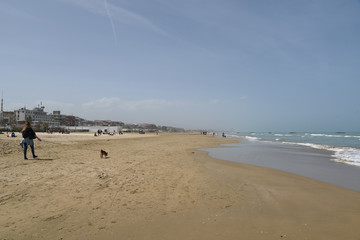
x: 232, y: 65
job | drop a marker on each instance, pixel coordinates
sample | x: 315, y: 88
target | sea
x: 345, y: 147
x: 332, y: 157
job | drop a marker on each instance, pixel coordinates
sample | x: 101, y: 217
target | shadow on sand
x: 42, y: 159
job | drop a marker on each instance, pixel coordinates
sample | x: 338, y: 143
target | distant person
x: 29, y: 135
x: 223, y: 134
x: 11, y: 135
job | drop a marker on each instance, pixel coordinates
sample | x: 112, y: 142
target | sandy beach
x: 160, y: 187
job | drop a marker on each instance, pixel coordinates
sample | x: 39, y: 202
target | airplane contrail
x: 111, y: 21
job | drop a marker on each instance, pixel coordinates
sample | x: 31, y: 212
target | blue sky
x: 239, y: 65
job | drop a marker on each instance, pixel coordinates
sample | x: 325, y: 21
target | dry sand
x: 160, y: 187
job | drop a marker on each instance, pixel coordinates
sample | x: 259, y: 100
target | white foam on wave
x: 252, y: 138
x: 282, y: 135
x: 233, y: 136
x: 333, y: 136
x: 346, y: 136
x: 346, y: 155
x: 324, y: 135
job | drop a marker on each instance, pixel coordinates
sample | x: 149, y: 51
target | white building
x: 104, y: 129
x: 36, y: 115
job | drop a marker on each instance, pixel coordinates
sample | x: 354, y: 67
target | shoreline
x: 345, y: 147
x: 161, y: 187
x: 318, y: 164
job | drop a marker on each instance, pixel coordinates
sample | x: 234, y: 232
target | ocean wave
x: 346, y: 155
x: 282, y: 135
x: 252, y: 138
x: 233, y: 136
x: 333, y: 136
x: 324, y: 135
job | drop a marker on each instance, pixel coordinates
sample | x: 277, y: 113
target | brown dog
x: 103, y: 153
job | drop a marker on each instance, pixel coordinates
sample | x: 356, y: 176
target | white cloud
x: 115, y: 103
x: 131, y: 111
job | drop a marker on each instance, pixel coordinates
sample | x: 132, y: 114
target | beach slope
x: 160, y: 187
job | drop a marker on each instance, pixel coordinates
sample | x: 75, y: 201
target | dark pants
x: 32, y: 150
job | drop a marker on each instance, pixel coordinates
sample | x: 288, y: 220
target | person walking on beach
x: 29, y: 135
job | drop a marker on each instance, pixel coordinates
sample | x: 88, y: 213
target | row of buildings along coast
x: 57, y: 121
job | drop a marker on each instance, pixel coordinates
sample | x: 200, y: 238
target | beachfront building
x: 36, y: 115
x: 94, y: 129
x: 105, y: 123
x: 6, y: 118
x: 56, y: 118
x: 71, y: 120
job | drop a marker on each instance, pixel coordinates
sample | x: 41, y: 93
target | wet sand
x: 161, y: 187
x: 301, y: 160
